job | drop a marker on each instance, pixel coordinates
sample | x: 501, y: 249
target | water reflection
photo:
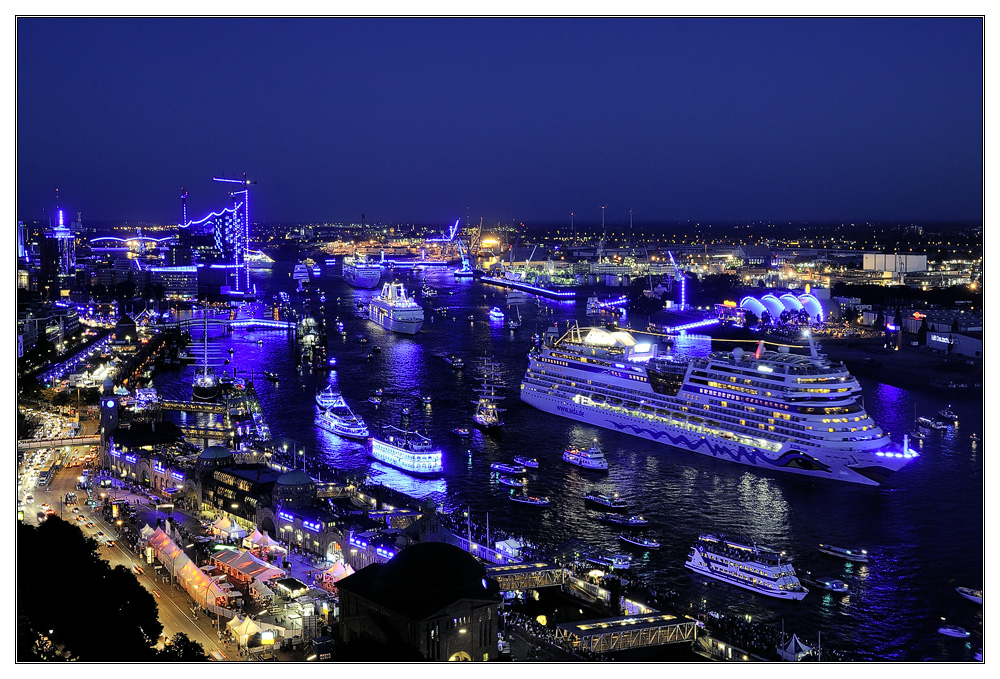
x: 435, y: 489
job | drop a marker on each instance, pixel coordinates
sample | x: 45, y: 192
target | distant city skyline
x: 430, y: 120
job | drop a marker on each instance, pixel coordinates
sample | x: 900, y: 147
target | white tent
x: 794, y: 650
x: 252, y: 539
x: 246, y: 629
x: 236, y: 531
x: 337, y: 572
x: 145, y: 532
x: 267, y: 542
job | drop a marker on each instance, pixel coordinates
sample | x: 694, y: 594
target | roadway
x: 176, y: 609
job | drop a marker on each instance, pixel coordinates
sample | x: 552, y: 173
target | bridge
x: 254, y: 323
x: 520, y: 576
x: 192, y: 406
x: 30, y: 444
x: 621, y: 634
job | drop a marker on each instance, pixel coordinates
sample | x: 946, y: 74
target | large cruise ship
x: 770, y: 409
x: 395, y: 311
x: 360, y: 272
x: 745, y: 564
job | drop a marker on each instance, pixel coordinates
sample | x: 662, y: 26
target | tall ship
x: 775, y: 410
x: 361, y: 272
x: 487, y: 413
x: 406, y: 450
x: 339, y: 419
x: 396, y: 311
x: 745, y: 564
x: 206, y: 385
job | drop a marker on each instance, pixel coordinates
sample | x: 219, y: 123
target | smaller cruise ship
x: 339, y: 419
x: 592, y: 458
x: 360, y: 272
x: 394, y: 310
x: 408, y: 451
x: 745, y: 564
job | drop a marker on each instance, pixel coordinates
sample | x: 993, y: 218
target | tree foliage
x: 72, y: 602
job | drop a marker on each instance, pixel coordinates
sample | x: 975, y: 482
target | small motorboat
x: 374, y: 399
x: 953, y: 631
x: 948, y: 414
x: 377, y: 349
x: 971, y: 594
x: 639, y: 541
x: 858, y: 555
x: 621, y: 520
x: 271, y: 376
x: 471, y: 317
x: 829, y: 584
x: 512, y: 482
x: 379, y: 392
x: 508, y: 468
x: 930, y: 424
x: 406, y: 411
x: 426, y: 400
x: 526, y: 461
x: 461, y: 431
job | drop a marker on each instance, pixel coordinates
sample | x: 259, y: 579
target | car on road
x: 46, y: 505
x: 137, y: 570
x: 110, y: 543
x: 80, y: 519
x: 100, y: 534
x: 156, y: 594
x: 89, y: 524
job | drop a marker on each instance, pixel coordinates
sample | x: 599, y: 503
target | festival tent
x: 236, y: 531
x: 252, y: 539
x: 262, y: 591
x: 337, y: 572
x: 245, y: 565
x: 794, y: 650
x: 145, y: 532
x: 267, y: 542
x: 246, y: 629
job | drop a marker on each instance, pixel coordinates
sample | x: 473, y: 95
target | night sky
x: 412, y: 120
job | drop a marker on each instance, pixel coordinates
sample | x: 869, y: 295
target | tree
x: 122, y: 623
x: 922, y: 333
x: 954, y: 326
x: 182, y: 649
x: 749, y: 319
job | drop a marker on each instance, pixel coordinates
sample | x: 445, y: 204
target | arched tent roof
x: 790, y: 302
x: 774, y: 307
x: 754, y: 305
x: 811, y: 305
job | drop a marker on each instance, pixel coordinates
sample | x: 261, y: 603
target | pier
x: 625, y: 633
x: 519, y: 576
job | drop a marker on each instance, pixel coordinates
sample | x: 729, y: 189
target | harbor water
x: 924, y: 532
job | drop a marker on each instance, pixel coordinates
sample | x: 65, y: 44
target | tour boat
x: 526, y: 461
x: 407, y: 450
x: 339, y: 419
x: 639, y: 541
x: 511, y: 481
x: 496, y: 314
x: 328, y: 397
x: 948, y: 414
x: 745, y: 564
x: 613, y: 503
x: 621, y: 520
x: 530, y: 500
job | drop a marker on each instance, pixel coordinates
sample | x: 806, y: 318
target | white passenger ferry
x: 769, y: 409
x: 396, y: 311
x: 745, y: 564
x: 339, y: 419
x: 407, y: 450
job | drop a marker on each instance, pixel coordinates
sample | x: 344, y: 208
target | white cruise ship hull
x: 363, y: 278
x: 677, y: 437
x: 795, y: 595
x: 342, y: 430
x: 405, y: 327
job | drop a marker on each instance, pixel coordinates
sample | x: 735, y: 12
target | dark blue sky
x: 415, y: 119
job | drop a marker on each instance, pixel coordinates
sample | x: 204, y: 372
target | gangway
x: 623, y: 633
x: 31, y: 444
x: 532, y: 575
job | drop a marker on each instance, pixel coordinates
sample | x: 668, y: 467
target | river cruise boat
x: 612, y: 503
x: 639, y: 541
x: 745, y: 564
x: 623, y: 520
x: 774, y: 410
x: 971, y: 594
x: 360, y: 272
x: 508, y: 468
x: 408, y: 451
x: 591, y: 458
x: 339, y: 419
x: 857, y: 555
x: 396, y: 311
x: 530, y: 500
x: 526, y: 461
x: 930, y: 424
